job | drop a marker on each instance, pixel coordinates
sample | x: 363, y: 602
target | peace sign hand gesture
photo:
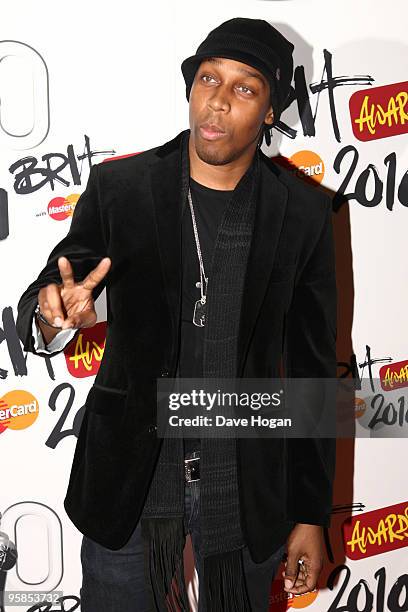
x: 70, y: 304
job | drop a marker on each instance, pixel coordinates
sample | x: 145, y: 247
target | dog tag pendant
x: 199, y: 312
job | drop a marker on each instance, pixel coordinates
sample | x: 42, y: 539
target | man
x: 216, y: 262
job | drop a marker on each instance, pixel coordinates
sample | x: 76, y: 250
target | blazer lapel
x: 167, y: 190
x: 270, y: 212
x: 169, y: 193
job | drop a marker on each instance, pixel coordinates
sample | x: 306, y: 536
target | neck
x: 224, y: 177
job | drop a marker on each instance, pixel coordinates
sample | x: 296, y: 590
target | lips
x: 211, y: 131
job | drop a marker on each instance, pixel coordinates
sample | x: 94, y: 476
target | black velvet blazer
x: 131, y: 212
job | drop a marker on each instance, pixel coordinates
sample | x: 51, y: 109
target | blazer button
x: 165, y: 373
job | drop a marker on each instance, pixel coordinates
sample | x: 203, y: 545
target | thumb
x: 290, y: 571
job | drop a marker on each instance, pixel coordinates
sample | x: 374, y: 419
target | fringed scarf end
x: 164, y: 540
x: 225, y: 584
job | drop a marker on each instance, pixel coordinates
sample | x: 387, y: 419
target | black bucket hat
x: 254, y: 42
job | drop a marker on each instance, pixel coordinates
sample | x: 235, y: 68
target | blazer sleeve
x: 310, y: 352
x: 84, y: 246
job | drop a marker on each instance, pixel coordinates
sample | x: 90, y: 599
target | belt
x: 192, y: 469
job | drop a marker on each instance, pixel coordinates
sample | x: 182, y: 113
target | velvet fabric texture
x: 130, y: 210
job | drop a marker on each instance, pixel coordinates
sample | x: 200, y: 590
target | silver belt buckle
x: 192, y: 469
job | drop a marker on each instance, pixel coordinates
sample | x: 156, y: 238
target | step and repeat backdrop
x: 84, y: 82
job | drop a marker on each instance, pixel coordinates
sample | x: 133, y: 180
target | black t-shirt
x: 209, y: 205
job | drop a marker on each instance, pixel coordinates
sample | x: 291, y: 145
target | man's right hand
x: 70, y: 304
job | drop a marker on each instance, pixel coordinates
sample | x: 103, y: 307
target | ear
x: 269, y: 116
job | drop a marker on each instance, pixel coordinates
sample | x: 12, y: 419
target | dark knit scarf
x: 162, y: 517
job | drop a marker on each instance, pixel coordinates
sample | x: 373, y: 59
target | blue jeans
x: 113, y: 580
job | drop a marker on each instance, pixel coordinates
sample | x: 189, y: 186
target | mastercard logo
x: 359, y: 407
x: 18, y: 410
x: 303, y: 600
x: 62, y: 208
x: 307, y: 165
x: 280, y: 600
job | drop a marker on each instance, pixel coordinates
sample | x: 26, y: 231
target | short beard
x: 214, y: 157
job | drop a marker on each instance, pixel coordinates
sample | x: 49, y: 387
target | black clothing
x: 131, y: 211
x: 209, y: 205
x: 220, y: 512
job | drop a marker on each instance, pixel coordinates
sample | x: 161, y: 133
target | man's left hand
x: 305, y: 543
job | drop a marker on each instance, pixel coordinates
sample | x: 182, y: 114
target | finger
x: 43, y: 303
x: 97, y: 274
x: 300, y: 581
x: 309, y: 583
x: 302, y: 589
x: 66, y: 271
x: 87, y: 318
x: 54, y: 309
x: 291, y: 570
x: 311, y: 579
x: 301, y: 577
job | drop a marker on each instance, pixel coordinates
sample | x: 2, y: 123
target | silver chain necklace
x: 200, y: 305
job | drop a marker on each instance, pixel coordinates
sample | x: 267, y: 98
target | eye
x: 204, y: 76
x: 246, y: 88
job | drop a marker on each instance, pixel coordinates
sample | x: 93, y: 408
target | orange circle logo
x: 359, y: 407
x: 18, y: 410
x: 304, y: 600
x: 279, y: 599
x: 308, y: 165
x: 62, y: 208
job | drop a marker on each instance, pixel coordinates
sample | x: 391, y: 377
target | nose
x: 219, y: 99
